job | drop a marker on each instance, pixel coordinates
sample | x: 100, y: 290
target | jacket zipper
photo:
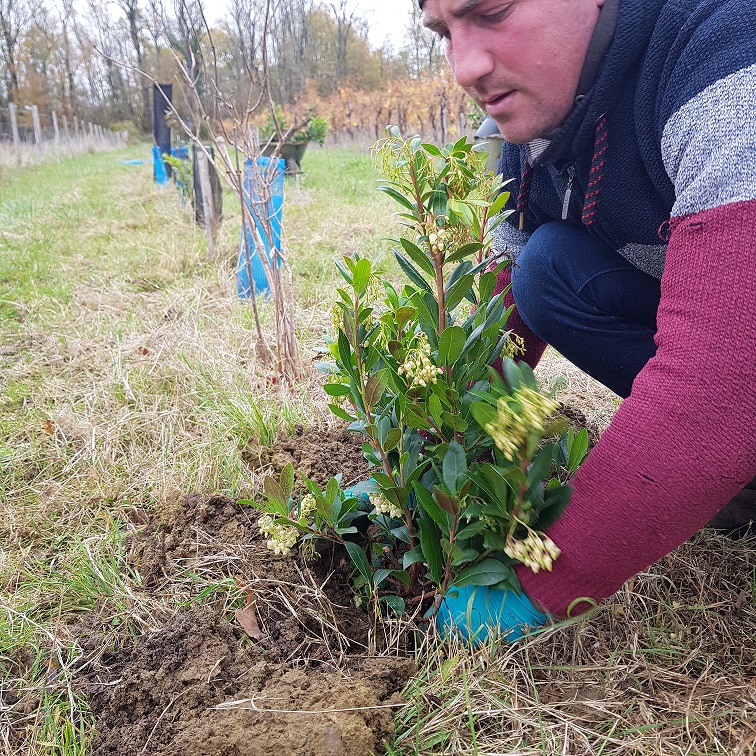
x: 568, y: 191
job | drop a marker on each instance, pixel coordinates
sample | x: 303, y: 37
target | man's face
x: 520, y: 60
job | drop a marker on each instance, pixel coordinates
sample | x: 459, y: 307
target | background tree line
x: 82, y: 58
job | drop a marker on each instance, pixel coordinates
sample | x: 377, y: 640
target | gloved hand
x: 475, y: 611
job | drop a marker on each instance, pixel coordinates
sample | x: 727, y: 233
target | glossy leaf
x: 486, y: 572
x: 418, y: 256
x: 454, y: 467
x: 359, y: 560
x: 450, y: 344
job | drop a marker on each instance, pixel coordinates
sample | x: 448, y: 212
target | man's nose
x: 470, y: 60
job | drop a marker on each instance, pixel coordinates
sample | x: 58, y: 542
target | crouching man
x: 630, y: 133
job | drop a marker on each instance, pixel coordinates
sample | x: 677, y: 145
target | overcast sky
x: 386, y: 18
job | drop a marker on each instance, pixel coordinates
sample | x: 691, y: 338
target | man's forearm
x: 683, y: 443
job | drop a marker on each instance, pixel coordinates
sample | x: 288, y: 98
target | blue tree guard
x: 158, y: 166
x: 273, y: 169
x: 181, y: 153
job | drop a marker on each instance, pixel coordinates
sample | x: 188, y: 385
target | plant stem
x: 438, y: 264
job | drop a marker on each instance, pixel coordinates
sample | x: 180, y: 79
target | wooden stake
x: 208, y: 206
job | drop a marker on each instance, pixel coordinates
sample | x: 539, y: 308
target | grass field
x: 129, y: 378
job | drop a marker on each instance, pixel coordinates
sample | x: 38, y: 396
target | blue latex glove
x: 474, y: 611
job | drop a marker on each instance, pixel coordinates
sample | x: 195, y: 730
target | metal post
x: 55, y: 126
x: 65, y: 128
x: 76, y: 127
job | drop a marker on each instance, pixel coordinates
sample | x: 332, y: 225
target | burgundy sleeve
x: 684, y: 442
x: 534, y: 345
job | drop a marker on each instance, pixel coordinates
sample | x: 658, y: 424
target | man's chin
x: 516, y: 133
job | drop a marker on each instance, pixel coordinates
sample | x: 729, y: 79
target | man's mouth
x: 497, y: 98
x: 494, y: 105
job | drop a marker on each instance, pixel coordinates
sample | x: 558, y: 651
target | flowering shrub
x: 468, y: 469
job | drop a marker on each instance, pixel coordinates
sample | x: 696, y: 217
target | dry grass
x: 665, y: 667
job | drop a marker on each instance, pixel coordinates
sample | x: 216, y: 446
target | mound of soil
x: 163, y: 701
x: 314, y: 452
x: 305, y: 679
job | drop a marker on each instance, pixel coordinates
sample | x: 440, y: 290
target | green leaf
x: 464, y: 251
x: 332, y: 490
x: 578, y: 450
x: 486, y: 572
x: 393, y: 437
x: 412, y: 556
x: 287, y: 480
x: 459, y: 291
x: 475, y: 527
x: 486, y: 285
x: 454, y: 467
x: 411, y: 271
x: 435, y: 409
x: 418, y: 256
x: 455, y: 421
x: 403, y: 201
x: 336, y: 389
x: 431, y: 507
x: 483, y: 413
x: 540, y: 466
x: 450, y: 344
x: 430, y: 541
x: 403, y: 316
x: 498, y: 204
x: 461, y: 556
x: 380, y: 575
x: 556, y: 500
x: 395, y: 603
x: 345, y: 352
x: 414, y: 419
x: 512, y: 373
x: 339, y: 412
x: 361, y: 275
x: 359, y: 559
x: 344, y: 272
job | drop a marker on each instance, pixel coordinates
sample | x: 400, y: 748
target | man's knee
x: 534, y: 280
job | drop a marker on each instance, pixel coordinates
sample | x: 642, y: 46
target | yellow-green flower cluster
x: 337, y: 317
x: 537, y: 551
x: 281, y: 538
x: 384, y: 506
x: 307, y: 505
x: 517, y: 416
x: 514, y: 346
x: 418, y: 368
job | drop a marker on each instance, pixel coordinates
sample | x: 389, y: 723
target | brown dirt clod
x: 162, y: 704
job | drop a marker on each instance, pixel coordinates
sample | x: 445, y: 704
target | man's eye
x: 494, y: 18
